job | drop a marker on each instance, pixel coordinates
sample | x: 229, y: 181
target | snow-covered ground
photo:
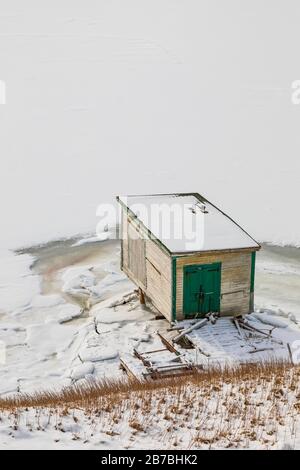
x: 58, y: 326
x: 254, y: 408
x: 43, y: 314
x: 55, y: 320
x: 278, y: 279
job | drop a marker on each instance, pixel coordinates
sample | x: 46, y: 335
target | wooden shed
x: 187, y: 256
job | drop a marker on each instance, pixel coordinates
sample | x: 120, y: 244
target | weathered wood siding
x: 159, y: 278
x: 124, y: 241
x: 150, y: 268
x: 235, y: 280
x: 133, y: 252
x: 137, y: 254
x: 147, y: 265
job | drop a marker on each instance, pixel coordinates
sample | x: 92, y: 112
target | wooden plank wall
x: 149, y: 268
x: 159, y: 278
x: 124, y: 241
x: 133, y: 252
x: 235, y: 280
x: 137, y: 254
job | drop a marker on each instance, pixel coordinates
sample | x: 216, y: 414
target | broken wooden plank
x: 172, y: 366
x: 290, y: 353
x: 168, y: 344
x: 197, y: 325
x: 142, y: 297
x: 175, y: 328
x: 168, y: 375
x: 249, y: 327
x: 129, y: 371
x: 252, y: 329
x: 236, y: 324
x: 124, y: 300
x: 154, y: 351
x: 261, y: 350
x: 140, y: 356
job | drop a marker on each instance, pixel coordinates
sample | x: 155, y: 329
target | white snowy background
x: 107, y: 97
x: 122, y: 97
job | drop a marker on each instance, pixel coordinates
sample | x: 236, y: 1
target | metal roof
x: 187, y: 222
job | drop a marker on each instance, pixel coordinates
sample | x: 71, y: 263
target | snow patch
x: 11, y: 327
x: 67, y: 313
x: 48, y: 339
x: 46, y: 301
x: 98, y: 354
x: 144, y: 338
x: 268, y: 319
x: 80, y: 372
x: 99, y: 238
x: 17, y: 283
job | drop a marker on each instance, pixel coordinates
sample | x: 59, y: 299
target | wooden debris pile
x: 158, y: 363
x: 246, y: 331
x: 193, y: 345
x: 210, y: 317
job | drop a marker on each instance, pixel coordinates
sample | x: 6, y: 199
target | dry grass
x: 114, y: 390
x: 214, y: 408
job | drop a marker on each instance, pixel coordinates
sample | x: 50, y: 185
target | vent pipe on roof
x: 198, y: 205
x: 202, y: 207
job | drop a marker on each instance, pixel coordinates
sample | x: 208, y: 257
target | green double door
x: 201, y: 289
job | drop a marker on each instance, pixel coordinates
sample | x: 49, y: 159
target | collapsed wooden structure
x: 192, y: 345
